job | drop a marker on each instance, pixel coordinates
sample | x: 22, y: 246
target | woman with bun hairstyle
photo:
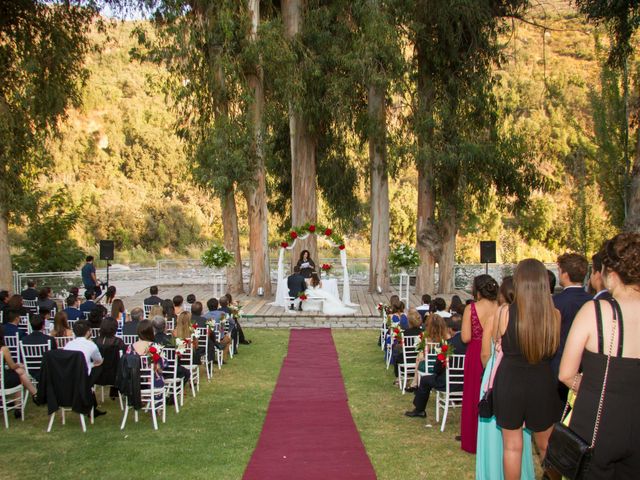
x: 476, y: 315
x: 615, y: 330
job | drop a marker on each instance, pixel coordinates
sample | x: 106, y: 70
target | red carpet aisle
x: 309, y: 432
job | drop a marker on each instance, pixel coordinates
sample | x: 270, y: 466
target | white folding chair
x: 129, y: 339
x: 219, y: 353
x: 10, y: 398
x: 430, y: 355
x: 227, y: 331
x: 95, y: 332
x: 173, y: 385
x: 24, y: 325
x: 186, y: 307
x: 171, y: 324
x: 62, y: 341
x: 13, y: 344
x: 186, y: 360
x: 203, y: 339
x: 452, y: 394
x: 31, y: 305
x: 408, y: 365
x: 32, y: 358
x: 147, y: 310
x: 153, y: 398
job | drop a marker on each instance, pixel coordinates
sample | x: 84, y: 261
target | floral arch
x: 301, y: 233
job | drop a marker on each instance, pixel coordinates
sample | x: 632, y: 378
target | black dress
x: 524, y: 393
x: 617, y: 449
x: 306, y: 272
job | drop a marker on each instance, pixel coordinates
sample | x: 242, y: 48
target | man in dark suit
x: 12, y: 319
x: 572, y: 268
x: 73, y: 311
x: 29, y: 293
x: 196, y: 315
x: 37, y: 335
x: 297, y: 285
x: 436, y: 380
x: 131, y: 327
x: 596, y: 281
x: 154, y: 299
x: 89, y: 304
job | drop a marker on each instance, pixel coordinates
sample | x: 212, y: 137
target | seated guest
x: 141, y: 348
x: 30, y: 293
x: 191, y: 298
x: 74, y: 291
x: 177, y: 304
x: 38, y: 334
x: 153, y: 299
x: 168, y: 309
x: 45, y: 300
x: 155, y: 311
x: 73, y: 308
x: 223, y: 307
x: 118, y: 311
x: 414, y: 324
x: 198, y: 319
x: 436, y: 380
x: 456, y: 305
x: 110, y: 296
x: 196, y: 315
x: 93, y: 357
x: 46, y: 318
x: 89, y: 303
x: 61, y: 326
x: 183, y: 326
x: 437, y: 331
x: 212, y: 305
x: 296, y: 284
x: 11, y: 327
x: 15, y: 305
x: 110, y: 347
x: 14, y: 373
x: 440, y: 308
x: 134, y: 319
x: 96, y: 316
x: 424, y: 308
x: 398, y: 315
x: 160, y: 331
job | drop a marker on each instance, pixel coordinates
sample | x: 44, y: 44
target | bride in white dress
x: 331, y: 305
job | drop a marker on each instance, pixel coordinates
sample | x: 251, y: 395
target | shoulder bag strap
x: 606, y: 374
x: 599, y: 325
x: 616, y: 306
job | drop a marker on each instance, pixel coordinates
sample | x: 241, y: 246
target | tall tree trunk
x: 256, y: 191
x: 303, y: 150
x: 6, y: 275
x: 379, y: 178
x: 426, y: 233
x: 446, y: 263
x: 632, y: 221
x: 231, y: 241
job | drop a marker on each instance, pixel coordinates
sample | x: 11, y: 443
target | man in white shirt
x: 423, y: 309
x: 92, y: 355
x: 440, y: 306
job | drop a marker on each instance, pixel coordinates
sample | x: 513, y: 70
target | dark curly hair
x: 485, y: 286
x: 621, y: 254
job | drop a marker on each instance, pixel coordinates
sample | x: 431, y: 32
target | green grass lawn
x: 216, y: 432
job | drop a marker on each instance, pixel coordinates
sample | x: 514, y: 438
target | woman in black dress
x: 594, y: 334
x: 306, y: 265
x: 525, y: 390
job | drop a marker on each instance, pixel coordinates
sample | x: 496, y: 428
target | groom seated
x: 297, y: 285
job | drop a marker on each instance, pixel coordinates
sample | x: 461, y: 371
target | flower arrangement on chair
x: 443, y: 352
x: 155, y: 352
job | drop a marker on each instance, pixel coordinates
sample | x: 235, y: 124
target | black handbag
x: 568, y: 453
x: 485, y: 406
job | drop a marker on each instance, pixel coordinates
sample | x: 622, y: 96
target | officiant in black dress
x: 305, y: 264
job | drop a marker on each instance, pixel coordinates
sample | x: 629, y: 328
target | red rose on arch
x: 293, y: 235
x: 445, y: 347
x: 284, y: 244
x: 341, y: 247
x: 312, y: 228
x: 441, y: 357
x: 328, y: 232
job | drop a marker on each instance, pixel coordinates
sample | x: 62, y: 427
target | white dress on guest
x: 331, y: 305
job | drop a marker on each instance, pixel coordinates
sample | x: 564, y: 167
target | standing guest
x: 96, y: 316
x: 110, y: 296
x: 305, y: 264
x: 153, y: 299
x: 177, y: 304
x: 82, y: 343
x: 73, y: 308
x: 45, y: 301
x: 89, y: 303
x: 476, y: 316
x: 29, y: 293
x: 296, y: 285
x: 440, y: 308
x: 489, y: 453
x: 596, y: 280
x: 596, y: 333
x: 89, y: 279
x: 525, y: 389
x: 133, y: 320
x: 573, y: 270
x: 424, y: 308
x: 14, y: 373
x: 61, y: 326
x: 11, y: 327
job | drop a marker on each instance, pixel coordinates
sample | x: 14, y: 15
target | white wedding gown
x: 331, y: 305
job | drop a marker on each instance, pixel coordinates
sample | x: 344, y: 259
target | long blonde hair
x: 538, y: 328
x: 183, y: 325
x: 436, y: 328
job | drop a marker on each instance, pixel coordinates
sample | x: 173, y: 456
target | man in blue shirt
x: 73, y: 311
x: 89, y: 276
x: 11, y: 327
x: 89, y: 304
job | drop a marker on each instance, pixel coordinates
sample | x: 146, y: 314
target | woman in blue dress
x: 489, y: 449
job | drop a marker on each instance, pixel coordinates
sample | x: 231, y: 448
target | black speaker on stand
x: 487, y: 253
x: 107, y: 248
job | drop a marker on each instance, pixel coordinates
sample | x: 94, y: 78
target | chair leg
x: 437, y: 406
x: 92, y: 415
x: 164, y: 408
x: 135, y: 415
x: 124, y: 418
x: 84, y: 425
x: 444, y: 415
x: 4, y: 412
x: 64, y: 419
x: 153, y: 413
x: 52, y: 417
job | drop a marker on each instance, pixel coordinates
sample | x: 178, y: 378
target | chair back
x: 62, y: 341
x: 146, y: 376
x: 95, y: 332
x: 171, y: 324
x: 147, y: 310
x: 24, y: 325
x: 86, y: 315
x: 13, y: 344
x: 430, y: 356
x: 186, y: 307
x: 186, y: 358
x: 129, y: 339
x: 455, y: 375
x: 31, y: 305
x: 170, y: 362
x: 409, y: 352
x: 32, y: 357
